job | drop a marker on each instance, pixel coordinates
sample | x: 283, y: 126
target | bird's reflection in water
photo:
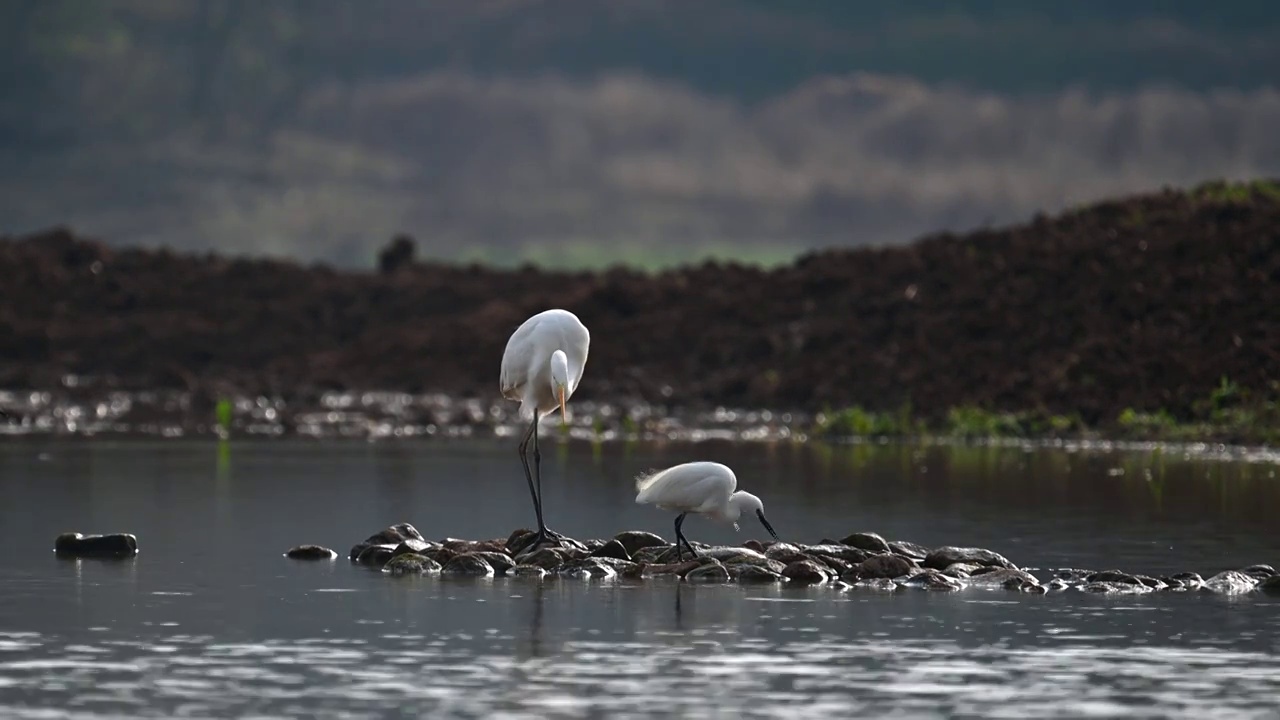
x: 533, y: 644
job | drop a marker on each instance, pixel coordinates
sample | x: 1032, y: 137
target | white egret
x: 701, y: 488
x: 541, y: 368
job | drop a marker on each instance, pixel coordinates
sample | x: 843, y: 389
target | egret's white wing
x: 516, y: 358
x: 688, y: 487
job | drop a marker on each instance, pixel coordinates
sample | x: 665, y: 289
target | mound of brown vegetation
x: 1144, y: 302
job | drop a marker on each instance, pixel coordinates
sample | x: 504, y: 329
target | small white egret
x: 541, y: 368
x: 701, y: 488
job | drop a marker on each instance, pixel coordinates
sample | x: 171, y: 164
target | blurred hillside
x: 581, y: 133
x: 1147, y: 304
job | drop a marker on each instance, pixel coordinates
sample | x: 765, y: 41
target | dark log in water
x: 114, y: 545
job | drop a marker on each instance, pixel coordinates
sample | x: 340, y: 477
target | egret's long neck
x: 559, y: 369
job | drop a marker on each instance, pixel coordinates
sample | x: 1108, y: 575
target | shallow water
x: 210, y: 621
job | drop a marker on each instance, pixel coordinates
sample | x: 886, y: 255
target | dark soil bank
x: 1145, y: 302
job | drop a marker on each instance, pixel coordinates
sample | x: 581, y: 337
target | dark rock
x: 1151, y: 582
x: 413, y: 545
x: 674, y: 555
x: 999, y: 577
x: 1188, y: 580
x: 477, y: 546
x: 613, y: 549
x: 931, y: 579
x: 1113, y: 576
x: 633, y: 540
x: 114, y: 545
x: 411, y: 564
x: 909, y: 549
x: 440, y: 554
x: 1271, y: 585
x: 548, y: 558
x: 806, y: 572
x: 1113, y: 587
x: 871, y: 542
x: 587, y: 567
x: 678, y: 569
x: 527, y: 571
x: 1259, y: 572
x: 651, y: 554
x: 744, y: 573
x: 962, y: 571
x: 1230, y: 582
x: 377, y: 555
x: 845, y: 553
x: 712, y: 572
x: 499, y: 561
x: 310, y: 552
x: 1057, y: 584
x: 944, y: 557
x: 467, y: 564
x: 518, y: 538
x: 393, y: 535
x: 1073, y: 575
x: 886, y: 565
x: 1018, y: 584
x: 754, y: 545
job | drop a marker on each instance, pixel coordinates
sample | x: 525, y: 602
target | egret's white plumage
x: 546, y: 353
x: 699, y: 488
x: 541, y: 367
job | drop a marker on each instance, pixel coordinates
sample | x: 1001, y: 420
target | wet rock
x: 886, y: 565
x: 909, y: 549
x: 1113, y: 576
x: 612, y: 549
x: 1111, y: 587
x: 1152, y: 582
x: 871, y: 542
x: 1057, y: 584
x: 1187, y: 580
x: 633, y: 540
x: 393, y: 535
x: 846, y: 554
x: 672, y: 555
x: 1259, y: 572
x: 439, y: 553
x: 523, y: 544
x: 310, y: 552
x: 677, y: 569
x: 745, y: 574
x: 877, y: 584
x: 463, y: 547
x: 114, y: 545
x: 467, y: 564
x: 713, y: 572
x: 411, y: 564
x: 944, y: 557
x: 754, y: 545
x: 1073, y: 575
x: 651, y: 554
x: 548, y: 558
x: 781, y: 550
x: 1018, y: 584
x: 499, y: 561
x: 585, y: 568
x: 621, y: 566
x: 806, y: 572
x: 930, y: 579
x: 527, y: 571
x: 727, y: 554
x: 1271, y: 585
x: 961, y: 571
x: 413, y: 545
x: 1230, y: 582
x: 377, y: 555
x: 1000, y: 577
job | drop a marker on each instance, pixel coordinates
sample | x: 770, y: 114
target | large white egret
x: 701, y: 488
x: 541, y: 368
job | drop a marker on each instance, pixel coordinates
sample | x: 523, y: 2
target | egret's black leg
x: 545, y: 532
x: 680, y: 538
x: 524, y: 462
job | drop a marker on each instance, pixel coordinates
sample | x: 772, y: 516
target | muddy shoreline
x: 1147, y: 305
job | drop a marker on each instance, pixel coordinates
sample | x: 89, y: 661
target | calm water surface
x: 210, y: 621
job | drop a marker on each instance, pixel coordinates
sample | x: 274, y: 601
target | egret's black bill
x: 767, y: 526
